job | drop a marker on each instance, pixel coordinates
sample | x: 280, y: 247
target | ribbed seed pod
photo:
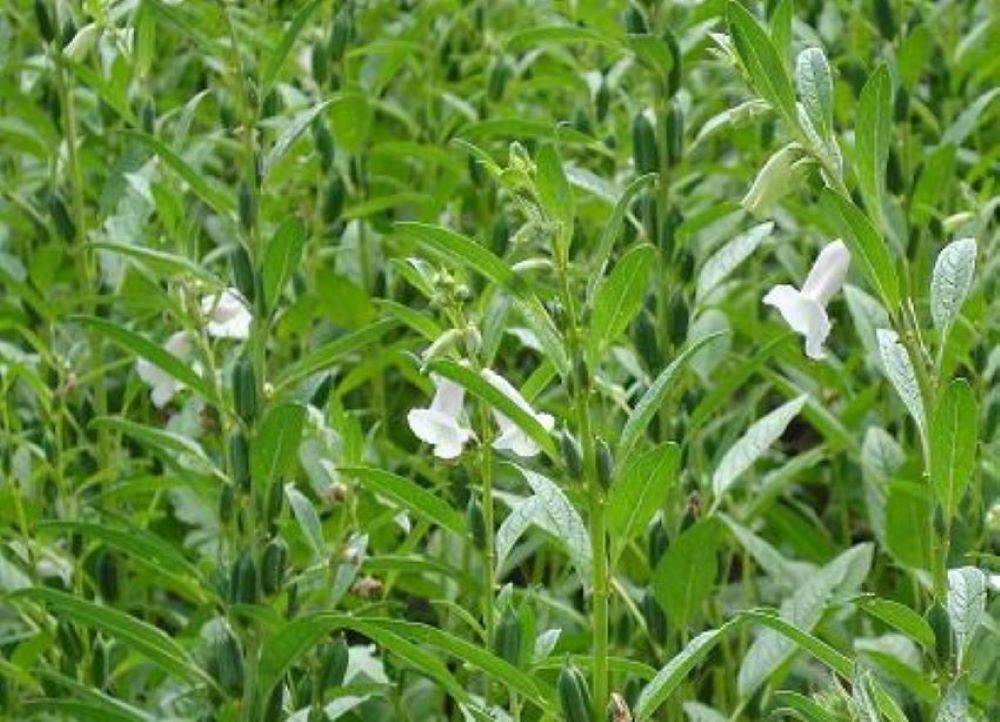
x: 245, y: 389
x: 148, y: 116
x: 275, y: 502
x: 507, y: 643
x: 658, y: 543
x: 239, y: 459
x: 60, y: 217
x: 497, y: 81
x: 44, y: 20
x: 340, y: 33
x: 333, y: 199
x: 100, y: 663
x: 107, y: 575
x: 676, y: 66
x: 477, y: 523
x: 574, y: 696
x: 69, y: 641
x: 674, y: 131
x: 227, y: 502
x: 243, y: 273
x: 605, y: 464
x: 320, y: 63
x: 894, y: 180
x: 602, y: 100
x: 247, y: 205
x: 230, y: 660
x: 656, y: 620
x: 243, y: 581
x: 885, y: 19
x: 677, y: 318
x: 272, y: 565
x: 324, y: 143
x: 644, y: 151
x: 333, y: 663
x: 939, y: 623
x: 685, y: 264
x: 500, y: 235
x: 645, y: 340
x: 571, y: 455
x: 635, y: 21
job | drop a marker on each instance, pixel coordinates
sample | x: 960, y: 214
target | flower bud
x: 571, y: 455
x: 605, y: 464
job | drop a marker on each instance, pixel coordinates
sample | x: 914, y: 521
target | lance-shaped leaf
x: 639, y: 491
x: 952, y: 281
x: 763, y: 64
x: 954, y: 432
x: 730, y: 256
x: 410, y: 496
x: 686, y: 573
x: 872, y: 137
x: 281, y: 258
x: 966, y: 605
x: 619, y: 298
x: 815, y: 86
x: 898, y: 369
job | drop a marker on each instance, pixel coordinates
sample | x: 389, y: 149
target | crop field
x: 499, y: 360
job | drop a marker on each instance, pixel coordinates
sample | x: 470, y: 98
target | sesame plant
x: 497, y: 360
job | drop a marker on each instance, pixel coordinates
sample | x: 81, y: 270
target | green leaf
x: 966, y: 605
x: 899, y: 370
x: 276, y: 58
x: 308, y: 520
x: 145, y: 639
x: 670, y: 677
x: 908, y: 512
x: 757, y: 439
x: 173, y: 448
x: 154, y: 353
x: 728, y: 258
x: 902, y: 618
x: 290, y: 133
x: 652, y: 400
x: 935, y: 182
x: 652, y: 51
x: 562, y: 34
x: 409, y: 495
x: 865, y: 244
x: 872, y: 138
x: 610, y: 232
x: 167, y: 264
x: 331, y: 353
x: 281, y: 258
x: 954, y: 433
x: 619, y: 298
x: 815, y: 85
x: 554, y: 192
x: 276, y: 444
x: 763, y: 64
x: 686, y: 573
x: 639, y: 490
x: 966, y: 122
x: 802, y: 707
x: 952, y: 281
x: 208, y: 191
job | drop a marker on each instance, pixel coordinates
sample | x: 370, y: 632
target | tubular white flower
x: 511, y: 437
x: 805, y: 310
x: 163, y: 386
x: 439, y: 424
x: 227, y: 314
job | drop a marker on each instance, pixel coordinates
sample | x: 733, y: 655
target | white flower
x: 227, y: 314
x: 805, y: 310
x: 511, y: 437
x: 439, y: 425
x: 163, y: 385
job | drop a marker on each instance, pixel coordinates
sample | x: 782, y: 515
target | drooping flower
x: 511, y: 437
x: 440, y: 424
x: 227, y: 314
x: 805, y: 310
x: 163, y: 386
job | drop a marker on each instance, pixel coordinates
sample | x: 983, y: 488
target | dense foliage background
x: 253, y: 252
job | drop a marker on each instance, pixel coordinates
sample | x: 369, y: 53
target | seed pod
x: 894, y: 173
x: 239, y: 459
x: 884, y: 19
x: 324, y: 143
x: 507, y: 644
x: 676, y: 65
x: 571, y: 455
x: 273, y: 712
x: 658, y: 543
x: 243, y: 581
x: 668, y: 231
x: 674, y: 131
x: 60, y: 217
x: 656, y: 620
x: 320, y: 63
x: 275, y: 502
x: 247, y: 206
x: 333, y: 663
x: 617, y: 709
x: 574, y: 696
x: 635, y: 21
x: 272, y: 564
x: 605, y: 464
x: 500, y: 235
x: 340, y: 33
x: 685, y: 264
x: 226, y: 116
x: 44, y: 20
x: 477, y: 523
x: 939, y: 623
x: 581, y: 122
x: 243, y: 273
x: 148, y: 116
x: 69, y: 641
x: 581, y: 376
x: 901, y: 105
x: 497, y: 81
x: 602, y: 100
x: 677, y: 318
x: 227, y: 501
x: 244, y: 389
x: 644, y: 151
x: 645, y: 340
x: 100, y: 664
x: 322, y: 393
x: 272, y: 104
x: 333, y: 200
x: 107, y: 575
x: 230, y: 660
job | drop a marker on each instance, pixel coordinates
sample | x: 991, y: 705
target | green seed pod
x: 60, y: 217
x: 894, y: 173
x: 340, y: 33
x: 243, y: 580
x: 44, y: 20
x: 100, y: 663
x: 333, y: 200
x: 644, y: 151
x: 239, y: 459
x: 602, y: 101
x: 884, y: 19
x: 245, y: 389
x: 243, y: 273
x: 656, y: 620
x: 227, y: 502
x: 574, y: 696
x: 107, y: 575
x: 272, y: 565
x: 148, y: 115
x: 605, y: 464
x: 230, y: 661
x: 685, y: 264
x: 901, y: 105
x: 645, y: 340
x: 571, y: 455
x: 69, y: 641
x: 674, y: 131
x: 648, y: 214
x: 581, y: 122
x: 581, y: 376
x: 668, y: 231
x: 497, y: 81
x: 320, y: 63
x: 659, y: 542
x: 275, y: 502
x: 500, y: 236
x: 677, y: 318
x: 247, y: 205
x: 333, y: 663
x: 939, y: 623
x: 272, y: 104
x: 507, y: 643
x: 635, y: 21
x: 677, y: 64
x: 226, y: 116
x: 477, y: 523
x: 324, y: 144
